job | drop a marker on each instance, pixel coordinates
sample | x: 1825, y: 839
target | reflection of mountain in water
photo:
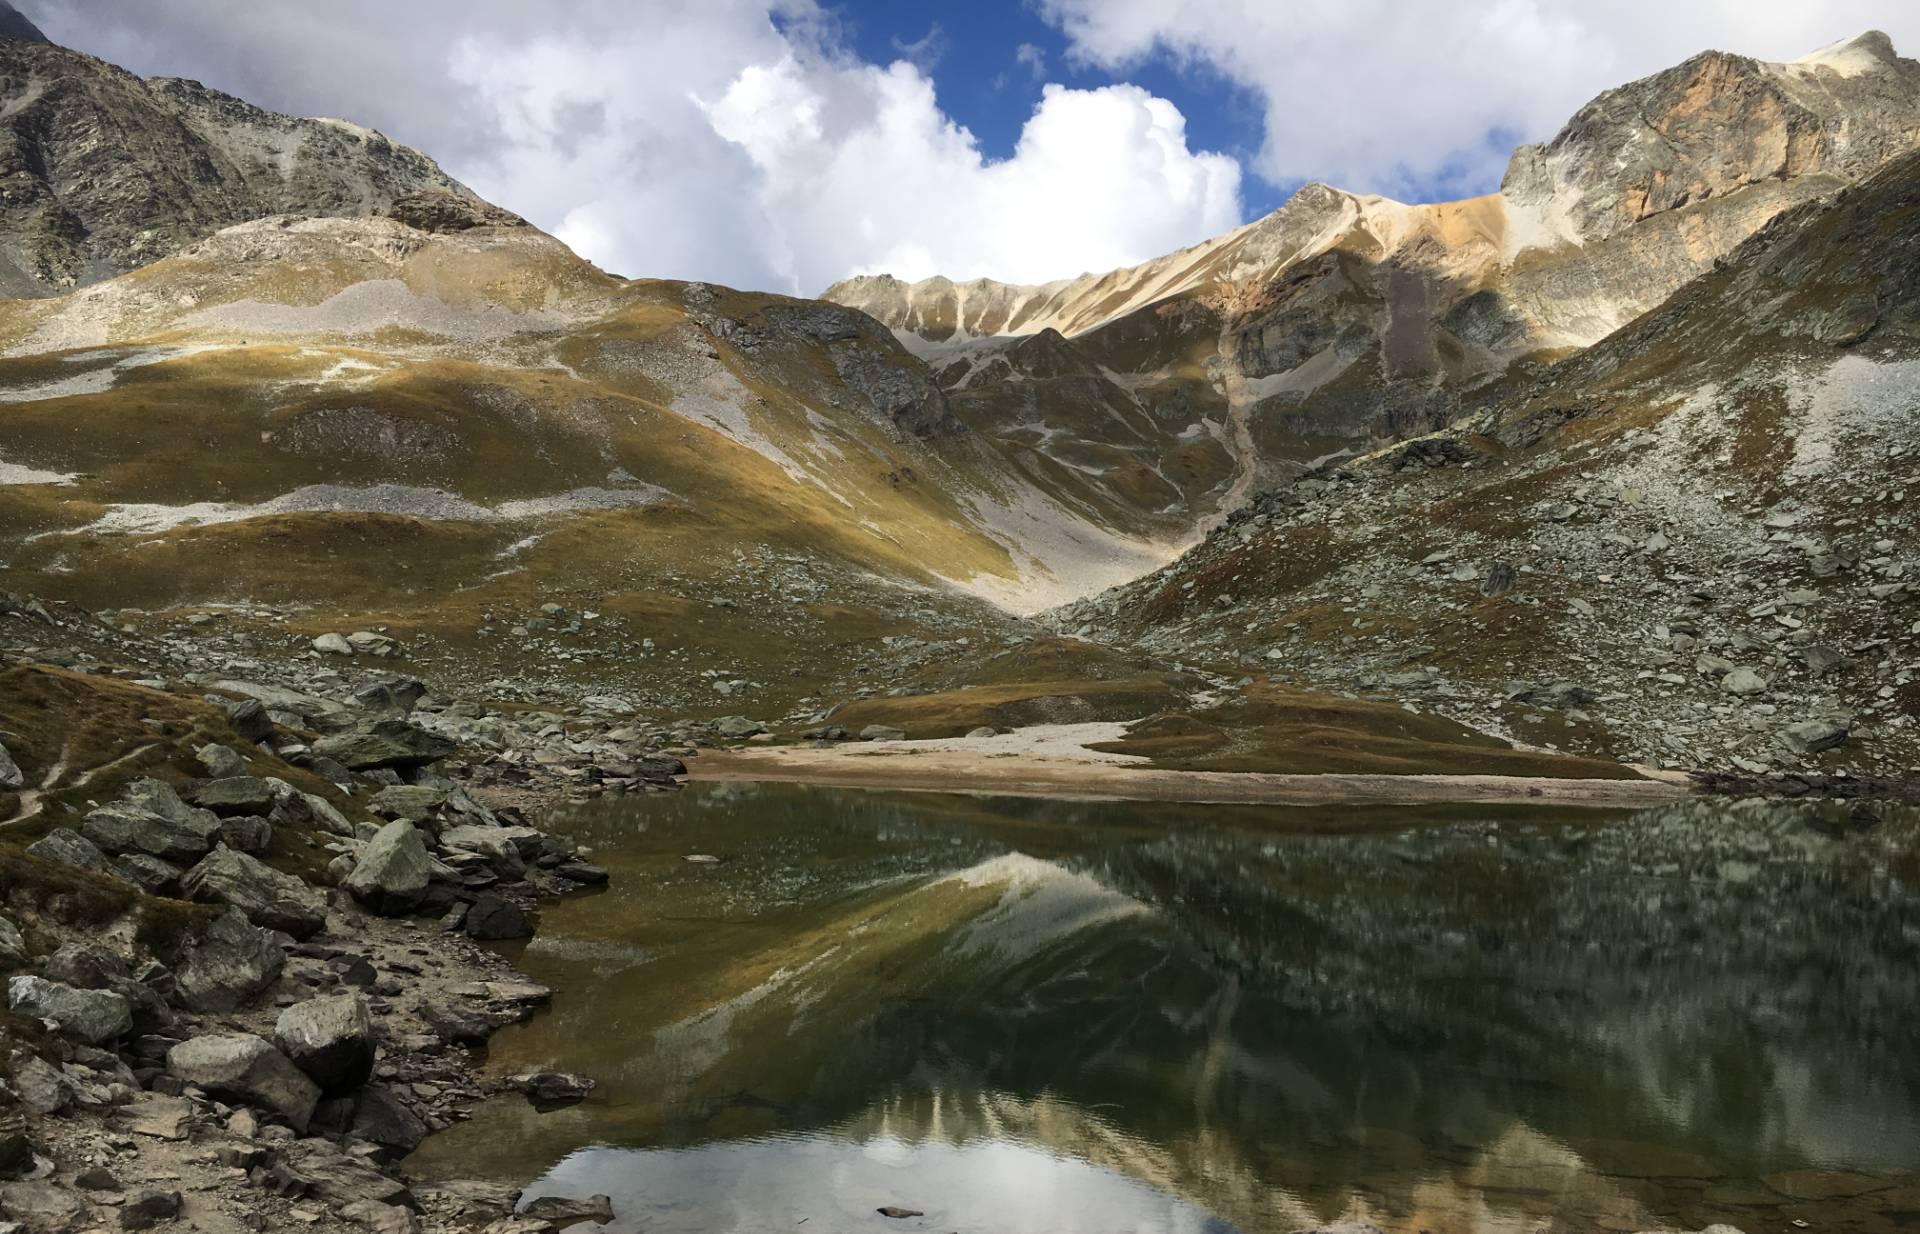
x: 1284, y: 1029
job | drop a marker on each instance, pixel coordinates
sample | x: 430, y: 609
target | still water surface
x: 1044, y: 1017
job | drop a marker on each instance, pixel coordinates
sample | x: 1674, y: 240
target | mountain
x: 106, y: 171
x: 1692, y: 543
x: 1343, y: 319
x: 14, y: 25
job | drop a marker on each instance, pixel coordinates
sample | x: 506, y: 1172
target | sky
x: 784, y: 146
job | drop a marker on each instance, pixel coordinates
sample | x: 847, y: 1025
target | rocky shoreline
x: 244, y: 982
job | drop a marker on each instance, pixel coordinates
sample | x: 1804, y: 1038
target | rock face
x: 393, y: 870
x: 91, y: 1016
x: 70, y: 848
x: 269, y: 898
x: 109, y: 171
x: 10, y: 776
x: 231, y: 964
x: 247, y: 1069
x: 384, y: 743
x: 331, y: 1039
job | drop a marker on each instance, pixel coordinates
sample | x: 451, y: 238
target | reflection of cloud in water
x: 756, y: 1186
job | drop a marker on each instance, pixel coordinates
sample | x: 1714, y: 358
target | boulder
x: 246, y: 834
x: 985, y: 730
x: 333, y: 645
x: 230, y: 965
x: 555, y: 1087
x: 737, y: 727
x: 378, y: 1218
x: 13, y: 946
x: 559, y: 1212
x: 221, y: 762
x: 381, y: 1119
x: 391, y: 874
x: 413, y: 802
x: 150, y: 818
x: 249, y: 718
x: 90, y: 1016
x: 149, y: 1207
x: 306, y: 810
x: 10, y: 774
x: 69, y: 848
x: 493, y: 843
x: 42, y: 1087
x: 882, y: 732
x: 84, y: 966
x: 1743, y: 682
x: 493, y: 918
x: 150, y: 874
x: 241, y: 1067
x: 384, y: 743
x: 1814, y: 736
x: 398, y: 694
x: 331, y: 1039
x: 268, y: 897
x: 236, y: 795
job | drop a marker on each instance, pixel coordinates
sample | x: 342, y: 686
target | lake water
x: 1044, y: 1017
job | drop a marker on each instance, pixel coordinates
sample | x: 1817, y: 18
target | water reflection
x: 1155, y: 1016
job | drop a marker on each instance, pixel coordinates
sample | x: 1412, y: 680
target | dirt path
x: 30, y: 800
x: 949, y: 766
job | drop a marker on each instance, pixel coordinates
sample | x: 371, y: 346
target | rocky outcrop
x: 150, y: 818
x: 107, y: 171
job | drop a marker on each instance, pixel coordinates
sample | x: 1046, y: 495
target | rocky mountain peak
x: 15, y: 25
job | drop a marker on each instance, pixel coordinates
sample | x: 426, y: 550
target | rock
x: 379, y: 1118
x: 311, y: 811
x: 42, y: 1205
x: 384, y: 743
x: 465, y: 1025
x: 16, y: 1146
x: 413, y: 802
x: 231, y: 964
x: 399, y: 695
x: 243, y: 1068
x: 69, y: 848
x: 1821, y: 660
x: 13, y: 947
x: 236, y: 795
x: 582, y: 873
x: 882, y: 732
x: 159, y: 1117
x: 1714, y: 667
x: 1501, y: 577
x: 381, y: 1218
x: 494, y: 918
x: 556, y: 1087
x: 331, y: 1039
x: 372, y: 643
x: 99, y: 1178
x: 246, y: 834
x: 91, y: 1016
x: 494, y: 843
x: 10, y: 773
x: 1814, y: 736
x: 221, y: 762
x: 150, y: 818
x: 1743, y: 682
x: 333, y: 645
x: 150, y: 874
x: 392, y: 871
x: 559, y: 1212
x: 84, y: 967
x: 248, y: 717
x: 984, y: 731
x: 146, y: 1209
x: 737, y: 727
x: 268, y: 898
x: 897, y: 1213
x: 40, y: 1086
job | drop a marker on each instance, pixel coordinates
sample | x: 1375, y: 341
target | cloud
x: 1424, y: 100
x: 717, y: 139
x: 1033, y: 58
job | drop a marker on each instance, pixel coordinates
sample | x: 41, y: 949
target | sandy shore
x: 1047, y: 761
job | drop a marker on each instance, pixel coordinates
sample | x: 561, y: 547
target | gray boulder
x: 882, y: 732
x: 737, y: 727
x: 1814, y: 736
x: 393, y: 870
x: 229, y: 966
x: 268, y: 897
x: 494, y: 919
x: 69, y: 848
x: 333, y: 645
x: 149, y: 874
x: 1744, y: 681
x: 313, y: 813
x: 384, y: 743
x: 413, y: 802
x: 150, y: 818
x: 10, y: 773
x: 249, y: 718
x: 246, y: 833
x: 236, y: 795
x: 331, y: 1039
x: 90, y: 1016
x: 380, y: 1118
x: 13, y: 947
x: 221, y: 762
x: 241, y: 1067
x: 493, y: 843
x: 85, y: 966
